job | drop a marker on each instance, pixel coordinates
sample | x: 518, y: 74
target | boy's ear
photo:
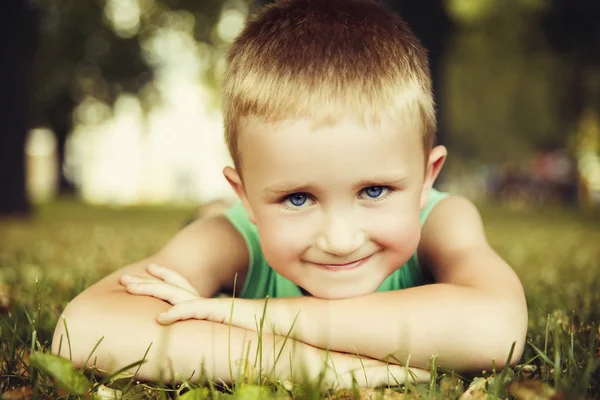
x: 436, y: 160
x: 236, y: 183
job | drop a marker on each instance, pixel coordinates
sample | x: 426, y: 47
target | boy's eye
x: 375, y: 192
x: 296, y: 199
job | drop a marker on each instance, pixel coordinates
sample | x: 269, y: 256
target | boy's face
x: 336, y: 207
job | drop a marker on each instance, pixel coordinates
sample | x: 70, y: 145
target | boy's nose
x: 341, y: 237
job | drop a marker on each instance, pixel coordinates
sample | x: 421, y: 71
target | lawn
x: 46, y: 261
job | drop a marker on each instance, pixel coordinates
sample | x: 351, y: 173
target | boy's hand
x: 170, y: 286
x: 166, y: 284
x: 243, y: 313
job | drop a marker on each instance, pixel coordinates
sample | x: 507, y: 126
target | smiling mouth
x: 343, y: 267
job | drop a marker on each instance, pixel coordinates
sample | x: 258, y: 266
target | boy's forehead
x: 289, y: 143
x: 405, y: 125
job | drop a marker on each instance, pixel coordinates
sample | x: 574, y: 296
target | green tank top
x: 262, y: 280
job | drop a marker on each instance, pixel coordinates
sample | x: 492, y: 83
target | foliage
x: 62, y: 371
x: 502, y: 96
x: 84, y: 53
x: 517, y: 75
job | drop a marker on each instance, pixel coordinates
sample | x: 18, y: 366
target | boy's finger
x: 167, y: 318
x: 161, y: 290
x: 195, y: 309
x: 171, y: 276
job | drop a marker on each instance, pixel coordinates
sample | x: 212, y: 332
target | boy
x: 330, y: 121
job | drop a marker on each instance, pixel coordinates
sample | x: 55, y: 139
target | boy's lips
x: 345, y: 266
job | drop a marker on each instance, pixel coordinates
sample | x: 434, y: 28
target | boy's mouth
x: 345, y: 266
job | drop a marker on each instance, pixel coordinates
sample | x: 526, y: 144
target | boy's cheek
x: 401, y: 237
x: 283, y: 242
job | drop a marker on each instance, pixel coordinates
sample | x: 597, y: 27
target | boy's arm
x: 204, y: 252
x: 190, y: 348
x: 472, y: 315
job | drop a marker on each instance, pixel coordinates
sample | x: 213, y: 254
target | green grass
x: 46, y: 261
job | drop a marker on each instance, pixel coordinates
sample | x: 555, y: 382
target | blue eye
x: 297, y: 199
x: 374, y: 191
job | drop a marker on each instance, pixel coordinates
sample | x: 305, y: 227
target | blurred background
x: 116, y: 102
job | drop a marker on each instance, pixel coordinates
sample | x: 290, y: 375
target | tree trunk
x: 18, y: 37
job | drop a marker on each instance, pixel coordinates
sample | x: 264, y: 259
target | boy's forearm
x: 130, y: 330
x: 234, y: 352
x: 187, y: 347
x: 464, y: 327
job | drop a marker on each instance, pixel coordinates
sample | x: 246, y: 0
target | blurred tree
x: 80, y: 55
x: 93, y: 48
x: 518, y: 75
x: 86, y: 48
x: 18, y: 34
x: 573, y: 32
x: 501, y: 94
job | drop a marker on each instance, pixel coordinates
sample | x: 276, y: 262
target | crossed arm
x: 126, y: 326
x: 469, y: 318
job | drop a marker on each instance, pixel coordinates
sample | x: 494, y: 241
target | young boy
x: 329, y: 118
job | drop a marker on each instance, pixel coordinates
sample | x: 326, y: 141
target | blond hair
x: 325, y: 60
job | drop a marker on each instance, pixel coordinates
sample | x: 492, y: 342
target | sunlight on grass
x: 46, y: 261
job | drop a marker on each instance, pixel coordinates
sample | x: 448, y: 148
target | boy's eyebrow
x: 388, y: 180
x: 288, y: 187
